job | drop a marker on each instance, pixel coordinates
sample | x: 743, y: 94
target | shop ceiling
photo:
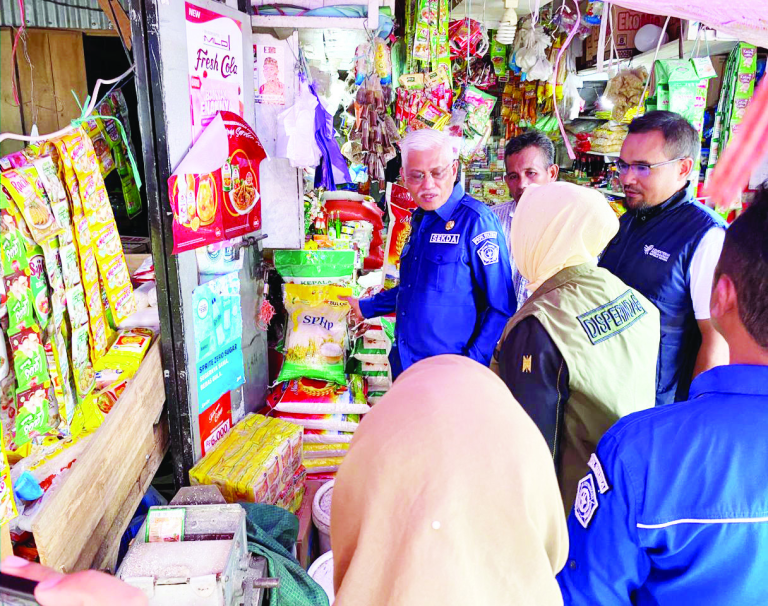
x: 57, y: 14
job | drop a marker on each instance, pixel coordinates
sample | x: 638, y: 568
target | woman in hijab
x: 447, y: 497
x: 582, y: 351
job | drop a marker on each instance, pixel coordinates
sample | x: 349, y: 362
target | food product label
x: 215, y: 53
x: 165, y: 525
x: 29, y: 360
x: 33, y: 417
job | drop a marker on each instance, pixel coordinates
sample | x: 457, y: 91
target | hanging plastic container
x: 322, y: 572
x: 321, y: 515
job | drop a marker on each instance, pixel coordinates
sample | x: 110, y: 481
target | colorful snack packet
x: 78, y: 312
x: 19, y: 302
x: 33, y: 418
x: 70, y: 266
x: 14, y: 248
x: 85, y: 376
x: 127, y: 352
x: 29, y: 361
x: 30, y: 198
x: 39, y: 287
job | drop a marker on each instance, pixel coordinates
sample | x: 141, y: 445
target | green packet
x: 315, y: 266
x: 20, y: 304
x: 29, y: 360
x: 33, y: 416
x: 82, y: 369
x: 13, y: 249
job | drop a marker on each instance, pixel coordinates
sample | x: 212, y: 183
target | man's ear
x: 686, y: 166
x: 723, y: 301
x: 554, y: 171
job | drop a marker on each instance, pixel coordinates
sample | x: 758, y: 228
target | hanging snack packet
x: 14, y: 249
x: 499, y: 58
x: 29, y: 361
x: 54, y: 271
x: 127, y: 352
x: 33, y: 418
x: 95, y: 131
x: 31, y: 200
x: 478, y: 106
x: 78, y: 312
x: 39, y: 287
x: 85, y: 376
x: 430, y: 116
x: 20, y: 306
x: 70, y: 266
x: 316, y: 336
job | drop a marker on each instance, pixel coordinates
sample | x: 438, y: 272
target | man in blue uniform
x: 675, y: 509
x: 455, y: 293
x: 668, y: 245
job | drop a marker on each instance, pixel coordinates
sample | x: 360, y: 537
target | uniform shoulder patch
x: 488, y: 253
x: 586, y: 501
x: 612, y: 318
x: 597, y: 469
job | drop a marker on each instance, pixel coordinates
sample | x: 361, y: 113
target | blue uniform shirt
x: 455, y: 293
x: 675, y: 510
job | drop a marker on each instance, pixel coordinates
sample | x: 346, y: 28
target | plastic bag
x: 308, y: 396
x: 296, y: 132
x: 316, y: 335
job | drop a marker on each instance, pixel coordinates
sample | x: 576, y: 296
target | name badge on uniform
x: 444, y: 239
x: 612, y: 318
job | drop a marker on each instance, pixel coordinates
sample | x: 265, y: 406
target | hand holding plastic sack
x: 744, y: 153
x: 296, y: 132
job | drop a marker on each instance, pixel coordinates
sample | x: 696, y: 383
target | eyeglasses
x: 438, y: 174
x: 641, y: 170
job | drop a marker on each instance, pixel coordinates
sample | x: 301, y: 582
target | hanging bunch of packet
x: 316, y: 335
x: 94, y: 128
x: 430, y: 42
x: 112, y: 108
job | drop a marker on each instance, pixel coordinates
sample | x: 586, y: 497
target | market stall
x: 268, y: 168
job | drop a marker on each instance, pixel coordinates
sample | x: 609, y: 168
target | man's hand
x: 357, y: 315
x: 86, y: 588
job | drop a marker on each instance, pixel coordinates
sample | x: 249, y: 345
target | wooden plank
x: 118, y: 18
x: 68, y: 69
x: 96, y: 478
x: 106, y: 556
x: 10, y: 114
x: 44, y: 98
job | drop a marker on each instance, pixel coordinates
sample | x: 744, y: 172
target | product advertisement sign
x: 218, y: 337
x: 214, y: 193
x: 215, y: 422
x: 269, y: 74
x: 215, y: 53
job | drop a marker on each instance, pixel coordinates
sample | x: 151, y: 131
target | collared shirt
x: 505, y: 213
x: 455, y: 293
x: 675, y: 510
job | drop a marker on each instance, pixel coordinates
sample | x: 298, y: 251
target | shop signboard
x: 215, y: 56
x: 218, y: 338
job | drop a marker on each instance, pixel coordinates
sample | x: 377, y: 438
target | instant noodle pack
x: 66, y: 289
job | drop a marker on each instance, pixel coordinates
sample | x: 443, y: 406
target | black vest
x: 652, y: 253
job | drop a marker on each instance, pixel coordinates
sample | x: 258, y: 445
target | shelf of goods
x: 83, y: 522
x: 670, y: 50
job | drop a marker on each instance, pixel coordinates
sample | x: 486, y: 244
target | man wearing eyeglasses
x: 668, y: 246
x: 455, y: 293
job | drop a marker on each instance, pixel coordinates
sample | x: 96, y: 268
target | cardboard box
x: 626, y: 23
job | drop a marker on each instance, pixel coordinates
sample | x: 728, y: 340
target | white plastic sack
x: 296, y: 132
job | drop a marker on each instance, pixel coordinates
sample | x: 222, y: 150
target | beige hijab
x: 559, y: 225
x: 448, y: 496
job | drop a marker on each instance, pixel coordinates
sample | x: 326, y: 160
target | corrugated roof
x: 58, y: 14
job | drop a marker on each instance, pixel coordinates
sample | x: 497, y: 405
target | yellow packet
x: 127, y: 352
x: 7, y: 504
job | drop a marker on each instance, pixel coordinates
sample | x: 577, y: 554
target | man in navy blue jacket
x: 675, y: 508
x: 668, y: 245
x: 455, y: 293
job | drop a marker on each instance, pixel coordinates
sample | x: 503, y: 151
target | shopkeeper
x: 581, y: 353
x: 529, y: 160
x: 674, y: 511
x: 455, y: 293
x: 668, y: 245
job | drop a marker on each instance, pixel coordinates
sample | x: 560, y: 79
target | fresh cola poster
x: 215, y: 49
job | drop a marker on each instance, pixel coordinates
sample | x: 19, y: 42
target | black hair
x: 532, y: 138
x: 745, y: 260
x: 681, y: 140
